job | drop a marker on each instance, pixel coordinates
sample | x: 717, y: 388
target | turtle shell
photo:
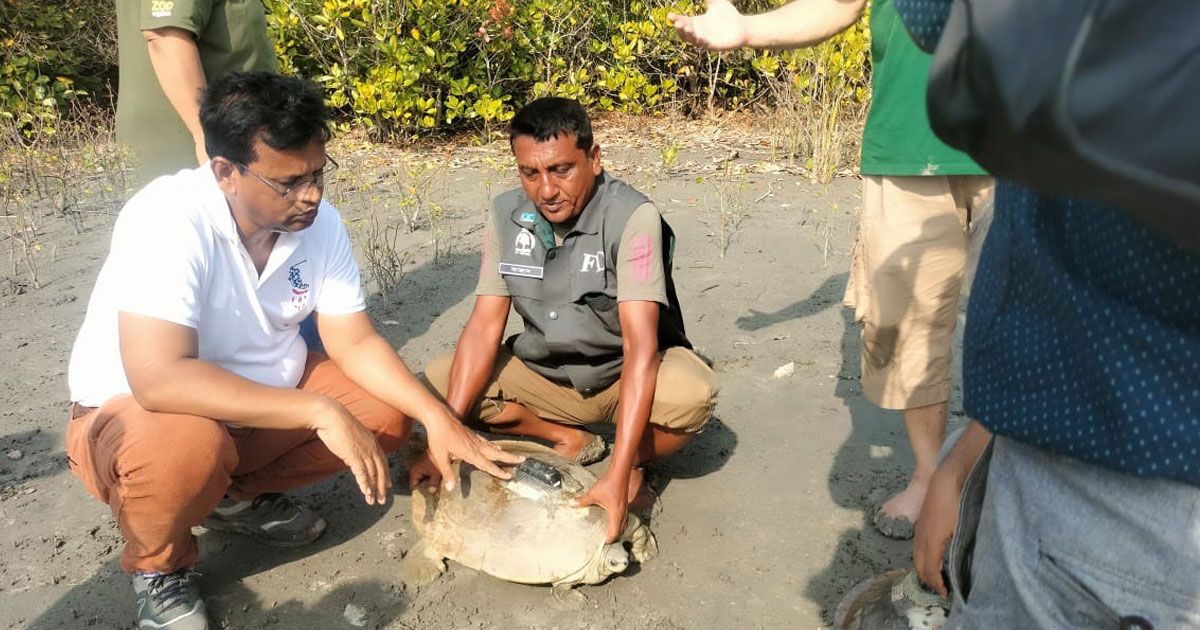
x: 522, y: 530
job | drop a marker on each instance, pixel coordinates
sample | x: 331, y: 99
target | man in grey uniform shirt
x: 585, y: 260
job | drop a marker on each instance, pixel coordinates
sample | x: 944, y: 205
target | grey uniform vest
x: 567, y: 295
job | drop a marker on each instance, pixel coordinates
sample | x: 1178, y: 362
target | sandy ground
x: 764, y: 518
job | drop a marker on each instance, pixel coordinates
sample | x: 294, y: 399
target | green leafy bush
x: 819, y: 100
x: 412, y: 68
x: 50, y: 54
x: 408, y: 68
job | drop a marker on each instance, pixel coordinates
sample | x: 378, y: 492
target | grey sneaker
x: 169, y: 600
x: 271, y: 518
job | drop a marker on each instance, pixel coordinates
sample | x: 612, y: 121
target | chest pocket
x: 589, y: 267
x: 593, y: 286
x: 523, y: 287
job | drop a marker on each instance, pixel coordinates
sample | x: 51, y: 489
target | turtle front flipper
x: 568, y: 594
x: 422, y: 565
x: 608, y: 560
x: 642, y: 543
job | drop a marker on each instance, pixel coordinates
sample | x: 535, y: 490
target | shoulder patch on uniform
x: 524, y: 243
x: 641, y: 256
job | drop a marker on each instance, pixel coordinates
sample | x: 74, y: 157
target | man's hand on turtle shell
x: 422, y: 471
x: 450, y: 441
x: 609, y: 493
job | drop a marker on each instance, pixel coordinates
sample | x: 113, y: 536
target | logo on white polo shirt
x: 299, y: 286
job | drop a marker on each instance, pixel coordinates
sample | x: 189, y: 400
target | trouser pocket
x: 1077, y: 605
x: 962, y: 547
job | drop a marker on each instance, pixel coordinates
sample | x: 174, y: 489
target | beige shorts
x: 913, y: 237
x: 684, y: 395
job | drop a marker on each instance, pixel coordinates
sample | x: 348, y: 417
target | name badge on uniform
x: 525, y: 271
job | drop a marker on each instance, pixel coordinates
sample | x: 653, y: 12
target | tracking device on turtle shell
x: 539, y: 472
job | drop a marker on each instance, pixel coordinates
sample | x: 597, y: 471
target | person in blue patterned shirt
x: 1082, y: 359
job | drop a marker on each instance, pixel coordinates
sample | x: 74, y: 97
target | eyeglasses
x: 293, y: 191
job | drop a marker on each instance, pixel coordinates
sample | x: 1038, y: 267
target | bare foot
x: 641, y: 498
x: 571, y: 442
x: 907, y: 503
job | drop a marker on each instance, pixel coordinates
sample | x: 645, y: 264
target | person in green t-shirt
x: 168, y: 50
x: 919, y: 199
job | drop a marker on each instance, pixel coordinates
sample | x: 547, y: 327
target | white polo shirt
x: 176, y: 256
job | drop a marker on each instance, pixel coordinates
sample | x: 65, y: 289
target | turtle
x: 523, y: 530
x: 892, y: 600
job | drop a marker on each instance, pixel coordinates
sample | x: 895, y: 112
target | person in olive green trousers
x: 168, y: 51
x: 919, y: 200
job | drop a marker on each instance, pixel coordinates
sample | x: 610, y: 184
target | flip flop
x: 896, y: 527
x: 593, y: 452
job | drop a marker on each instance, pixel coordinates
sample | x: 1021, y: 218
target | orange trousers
x: 162, y: 473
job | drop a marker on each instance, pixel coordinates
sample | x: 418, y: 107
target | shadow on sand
x: 861, y: 469
x: 106, y: 599
x: 39, y: 455
x: 424, y: 294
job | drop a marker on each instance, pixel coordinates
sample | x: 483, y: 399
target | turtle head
x: 609, y: 560
x: 615, y: 559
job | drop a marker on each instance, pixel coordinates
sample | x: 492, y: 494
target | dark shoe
x: 272, y: 518
x: 169, y: 600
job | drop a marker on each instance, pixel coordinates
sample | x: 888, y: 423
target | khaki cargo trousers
x: 684, y: 395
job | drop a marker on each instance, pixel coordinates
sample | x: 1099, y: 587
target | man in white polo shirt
x: 195, y: 401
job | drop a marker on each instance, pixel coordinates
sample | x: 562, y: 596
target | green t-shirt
x: 231, y: 36
x: 897, y: 139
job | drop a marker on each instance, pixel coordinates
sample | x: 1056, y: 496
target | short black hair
x: 284, y: 112
x: 549, y: 117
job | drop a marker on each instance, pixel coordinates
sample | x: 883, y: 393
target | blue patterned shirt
x: 1083, y: 337
x: 1083, y: 330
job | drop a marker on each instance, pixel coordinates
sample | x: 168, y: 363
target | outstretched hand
x: 609, y: 493
x: 719, y: 28
x: 449, y: 440
x: 352, y: 443
x: 755, y: 320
